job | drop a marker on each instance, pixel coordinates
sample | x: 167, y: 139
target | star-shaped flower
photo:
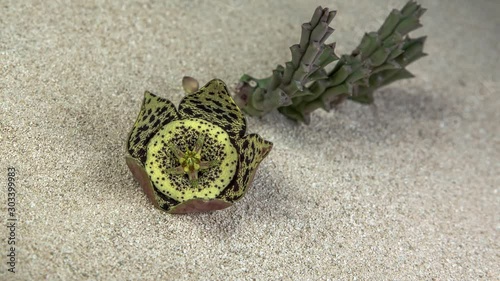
x: 196, y: 158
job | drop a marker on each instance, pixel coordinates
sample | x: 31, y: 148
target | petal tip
x: 148, y: 94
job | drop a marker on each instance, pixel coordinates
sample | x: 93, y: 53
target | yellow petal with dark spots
x: 252, y: 150
x: 214, y: 104
x: 155, y: 113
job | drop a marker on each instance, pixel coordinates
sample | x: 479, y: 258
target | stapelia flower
x: 196, y: 158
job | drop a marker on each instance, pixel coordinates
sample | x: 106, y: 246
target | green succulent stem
x: 305, y: 83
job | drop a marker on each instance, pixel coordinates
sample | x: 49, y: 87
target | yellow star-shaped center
x: 191, y: 158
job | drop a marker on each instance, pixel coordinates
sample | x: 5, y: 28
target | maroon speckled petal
x: 199, y: 206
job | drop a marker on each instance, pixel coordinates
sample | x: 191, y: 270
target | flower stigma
x: 190, y: 161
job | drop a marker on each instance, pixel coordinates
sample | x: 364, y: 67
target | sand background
x: 407, y: 189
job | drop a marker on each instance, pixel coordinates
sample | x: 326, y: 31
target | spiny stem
x: 304, y: 85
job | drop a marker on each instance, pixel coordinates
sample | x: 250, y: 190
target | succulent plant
x: 307, y: 82
x: 196, y: 158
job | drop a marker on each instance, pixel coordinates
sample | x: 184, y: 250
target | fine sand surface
x: 407, y: 189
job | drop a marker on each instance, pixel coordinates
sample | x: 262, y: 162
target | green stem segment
x: 304, y: 84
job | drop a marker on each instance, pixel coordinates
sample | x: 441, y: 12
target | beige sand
x: 407, y: 189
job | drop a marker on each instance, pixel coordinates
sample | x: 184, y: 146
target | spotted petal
x: 155, y: 113
x: 252, y: 150
x: 214, y: 104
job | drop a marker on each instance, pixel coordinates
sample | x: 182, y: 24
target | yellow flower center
x: 190, y: 161
x: 191, y: 158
